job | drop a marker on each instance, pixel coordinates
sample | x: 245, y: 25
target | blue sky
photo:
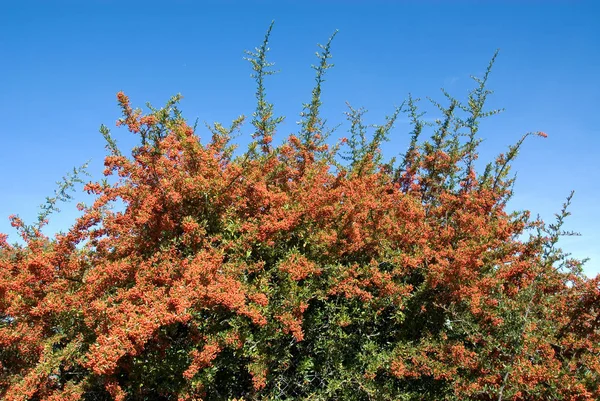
x: 63, y: 62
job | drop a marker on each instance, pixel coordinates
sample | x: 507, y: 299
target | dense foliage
x: 298, y: 271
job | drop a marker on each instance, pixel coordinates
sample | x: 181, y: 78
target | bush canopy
x: 304, y: 270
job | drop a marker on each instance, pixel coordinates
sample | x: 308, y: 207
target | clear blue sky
x: 63, y: 62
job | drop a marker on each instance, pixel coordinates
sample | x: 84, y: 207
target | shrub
x: 299, y: 271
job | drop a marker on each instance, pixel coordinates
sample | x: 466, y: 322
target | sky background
x: 61, y: 64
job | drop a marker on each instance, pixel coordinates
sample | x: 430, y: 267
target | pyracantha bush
x: 300, y: 271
